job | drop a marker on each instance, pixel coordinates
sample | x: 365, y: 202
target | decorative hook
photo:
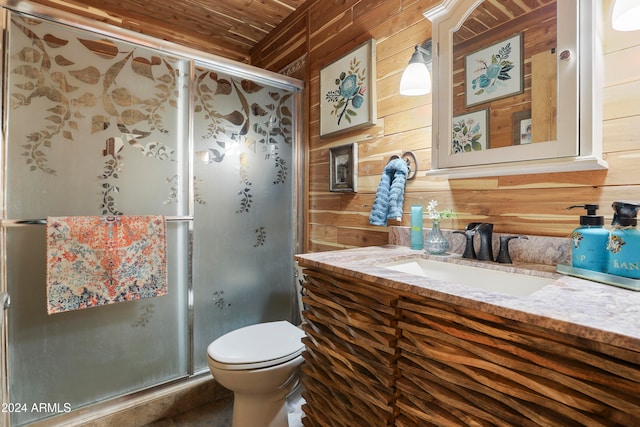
x: 408, y: 156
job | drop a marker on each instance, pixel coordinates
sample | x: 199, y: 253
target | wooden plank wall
x: 532, y: 204
x: 321, y: 31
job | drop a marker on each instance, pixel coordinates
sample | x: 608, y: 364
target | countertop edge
x: 569, y: 305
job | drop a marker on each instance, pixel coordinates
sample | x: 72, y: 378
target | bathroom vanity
x: 395, y: 347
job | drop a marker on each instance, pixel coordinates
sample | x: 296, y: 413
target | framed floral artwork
x: 347, y: 91
x: 469, y: 132
x: 494, y: 72
x: 343, y: 168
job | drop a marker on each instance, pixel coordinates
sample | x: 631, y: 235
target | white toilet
x: 259, y: 363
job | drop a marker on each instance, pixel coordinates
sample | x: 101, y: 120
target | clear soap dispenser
x: 589, y: 241
x: 624, y: 241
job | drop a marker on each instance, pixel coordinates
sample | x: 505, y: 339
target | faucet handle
x: 472, y: 226
x: 469, y: 232
x: 503, y: 254
x: 469, y: 250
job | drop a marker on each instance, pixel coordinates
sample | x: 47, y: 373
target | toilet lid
x: 257, y: 343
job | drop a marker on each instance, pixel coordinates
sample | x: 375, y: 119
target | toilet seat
x: 257, y: 346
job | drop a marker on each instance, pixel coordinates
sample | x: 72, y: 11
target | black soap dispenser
x: 589, y: 241
x: 623, y: 247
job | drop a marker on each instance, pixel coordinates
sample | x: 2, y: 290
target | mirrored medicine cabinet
x: 517, y: 87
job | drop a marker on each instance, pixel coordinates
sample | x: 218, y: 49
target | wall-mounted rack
x: 410, y: 159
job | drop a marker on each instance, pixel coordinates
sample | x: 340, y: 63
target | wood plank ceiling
x: 229, y: 28
x: 492, y: 13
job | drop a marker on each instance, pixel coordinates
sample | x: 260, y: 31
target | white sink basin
x: 477, y: 277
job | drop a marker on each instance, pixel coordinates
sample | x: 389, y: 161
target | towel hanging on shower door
x: 98, y: 260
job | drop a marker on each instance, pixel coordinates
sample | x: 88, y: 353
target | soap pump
x: 589, y: 241
x: 623, y: 245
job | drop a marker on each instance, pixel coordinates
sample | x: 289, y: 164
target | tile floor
x: 219, y: 413
x: 215, y: 414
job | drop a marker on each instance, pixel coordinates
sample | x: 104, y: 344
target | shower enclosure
x: 100, y: 122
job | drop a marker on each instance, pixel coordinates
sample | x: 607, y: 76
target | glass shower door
x: 99, y: 125
x: 94, y: 127
x: 244, y: 221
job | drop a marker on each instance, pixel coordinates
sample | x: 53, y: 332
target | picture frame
x: 494, y: 72
x: 522, y: 127
x: 343, y: 168
x: 470, y: 132
x: 348, y: 91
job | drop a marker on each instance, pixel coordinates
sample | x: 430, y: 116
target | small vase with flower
x: 436, y: 243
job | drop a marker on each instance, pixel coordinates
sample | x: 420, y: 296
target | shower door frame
x: 237, y: 69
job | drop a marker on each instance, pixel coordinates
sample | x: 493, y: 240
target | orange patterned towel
x: 93, y: 260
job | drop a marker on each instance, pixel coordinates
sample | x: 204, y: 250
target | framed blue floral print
x: 347, y: 91
x: 494, y: 72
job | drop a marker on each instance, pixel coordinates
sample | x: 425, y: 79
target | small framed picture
x: 343, y: 172
x: 522, y: 127
x: 470, y: 132
x: 348, y: 91
x: 494, y: 72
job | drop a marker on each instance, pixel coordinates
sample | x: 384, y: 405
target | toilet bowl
x: 260, y: 365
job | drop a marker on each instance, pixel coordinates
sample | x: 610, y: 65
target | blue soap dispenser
x: 624, y: 241
x: 589, y: 241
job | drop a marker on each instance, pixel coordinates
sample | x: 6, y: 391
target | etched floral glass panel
x: 98, y: 126
x: 243, y: 220
x: 93, y: 127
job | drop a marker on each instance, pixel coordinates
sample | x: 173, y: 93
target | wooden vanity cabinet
x: 350, y: 364
x: 459, y: 366
x: 378, y: 357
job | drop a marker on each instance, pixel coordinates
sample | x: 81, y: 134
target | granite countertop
x: 575, y: 306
